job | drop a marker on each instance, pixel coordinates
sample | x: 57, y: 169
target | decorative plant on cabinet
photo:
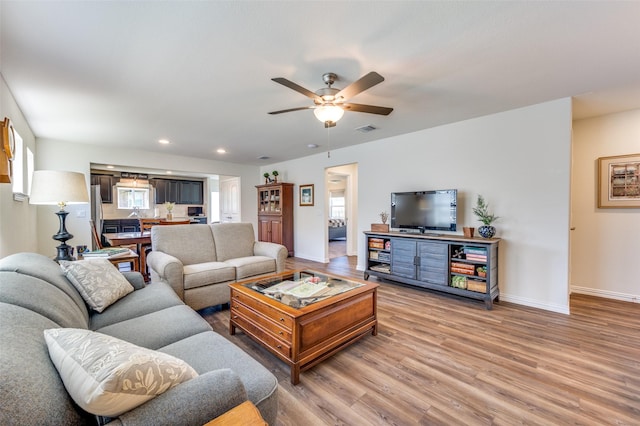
x: 481, y: 210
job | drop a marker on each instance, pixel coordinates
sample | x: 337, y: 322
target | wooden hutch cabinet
x: 275, y: 214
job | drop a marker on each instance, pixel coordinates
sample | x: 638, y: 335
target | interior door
x: 230, y: 199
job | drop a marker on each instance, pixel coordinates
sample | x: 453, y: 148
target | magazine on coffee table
x: 299, y: 289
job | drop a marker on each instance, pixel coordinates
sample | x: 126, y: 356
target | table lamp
x: 51, y: 187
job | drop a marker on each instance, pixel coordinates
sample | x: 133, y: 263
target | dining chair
x: 146, y: 223
x: 133, y: 258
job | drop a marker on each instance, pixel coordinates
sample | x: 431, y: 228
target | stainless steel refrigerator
x: 96, y: 210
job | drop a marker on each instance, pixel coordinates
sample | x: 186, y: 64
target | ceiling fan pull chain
x: 328, y: 146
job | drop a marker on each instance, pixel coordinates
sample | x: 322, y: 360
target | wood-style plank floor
x: 443, y: 360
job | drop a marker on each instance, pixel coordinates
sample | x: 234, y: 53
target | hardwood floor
x: 438, y: 359
x: 337, y: 248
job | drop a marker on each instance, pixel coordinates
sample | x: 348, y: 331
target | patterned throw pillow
x: 108, y: 376
x: 98, y: 281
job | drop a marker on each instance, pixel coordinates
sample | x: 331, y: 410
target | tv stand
x: 453, y: 264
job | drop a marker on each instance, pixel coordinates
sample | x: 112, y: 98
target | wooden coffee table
x: 298, y: 326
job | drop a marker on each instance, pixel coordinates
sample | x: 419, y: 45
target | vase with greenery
x: 481, y: 210
x: 275, y: 176
x: 266, y: 177
x: 169, y: 206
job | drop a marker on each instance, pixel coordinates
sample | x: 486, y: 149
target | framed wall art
x: 619, y: 181
x: 306, y: 195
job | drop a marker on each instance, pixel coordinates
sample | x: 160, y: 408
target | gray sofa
x: 199, y: 261
x: 35, y: 295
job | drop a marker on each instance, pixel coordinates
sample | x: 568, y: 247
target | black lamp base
x: 64, y: 251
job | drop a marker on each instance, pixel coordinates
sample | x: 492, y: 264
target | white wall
x: 518, y: 160
x: 17, y: 218
x: 605, y: 243
x: 58, y: 155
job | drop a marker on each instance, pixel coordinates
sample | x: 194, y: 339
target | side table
x: 245, y: 414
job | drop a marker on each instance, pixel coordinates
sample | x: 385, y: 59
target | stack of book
x: 476, y: 253
x: 106, y: 252
x: 462, y: 268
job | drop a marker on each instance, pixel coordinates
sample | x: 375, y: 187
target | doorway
x: 341, y: 196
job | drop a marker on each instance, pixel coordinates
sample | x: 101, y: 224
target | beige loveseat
x: 199, y: 261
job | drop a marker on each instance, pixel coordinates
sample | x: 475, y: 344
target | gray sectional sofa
x: 35, y: 296
x: 199, y: 261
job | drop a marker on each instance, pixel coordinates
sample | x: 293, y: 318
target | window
x: 128, y: 198
x: 17, y: 180
x: 336, y: 205
x: 30, y: 169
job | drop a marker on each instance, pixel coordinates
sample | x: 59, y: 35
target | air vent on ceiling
x: 366, y: 129
x: 263, y: 157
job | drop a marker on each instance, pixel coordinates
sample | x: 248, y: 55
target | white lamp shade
x: 58, y: 188
x: 326, y: 113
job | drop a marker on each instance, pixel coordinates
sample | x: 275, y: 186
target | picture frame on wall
x: 619, y: 181
x: 306, y: 195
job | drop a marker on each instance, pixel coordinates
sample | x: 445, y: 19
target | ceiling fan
x: 330, y: 103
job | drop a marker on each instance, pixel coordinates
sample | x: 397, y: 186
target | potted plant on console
x: 481, y: 210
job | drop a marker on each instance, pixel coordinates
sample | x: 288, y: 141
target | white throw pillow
x: 98, y: 281
x: 108, y: 376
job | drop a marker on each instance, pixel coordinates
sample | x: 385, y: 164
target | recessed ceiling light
x: 312, y: 145
x: 109, y: 167
x: 221, y: 151
x: 164, y: 141
x: 169, y: 172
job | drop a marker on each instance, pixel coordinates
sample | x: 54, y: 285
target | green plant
x: 169, y: 206
x: 481, y: 210
x: 275, y: 173
x: 266, y: 175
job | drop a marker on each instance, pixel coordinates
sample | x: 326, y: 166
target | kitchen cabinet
x: 190, y: 192
x: 106, y: 183
x: 112, y: 226
x: 179, y: 191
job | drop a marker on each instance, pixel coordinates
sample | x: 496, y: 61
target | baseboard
x: 535, y: 304
x: 521, y: 301
x: 312, y: 258
x: 633, y: 298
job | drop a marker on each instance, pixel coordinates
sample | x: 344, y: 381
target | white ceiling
x: 126, y: 73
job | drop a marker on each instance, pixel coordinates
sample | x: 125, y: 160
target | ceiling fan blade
x: 371, y: 109
x: 361, y: 85
x: 297, y: 88
x: 290, y: 110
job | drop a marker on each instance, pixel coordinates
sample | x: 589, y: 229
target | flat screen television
x: 425, y: 210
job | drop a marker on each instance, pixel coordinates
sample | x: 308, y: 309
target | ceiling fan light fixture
x: 330, y: 113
